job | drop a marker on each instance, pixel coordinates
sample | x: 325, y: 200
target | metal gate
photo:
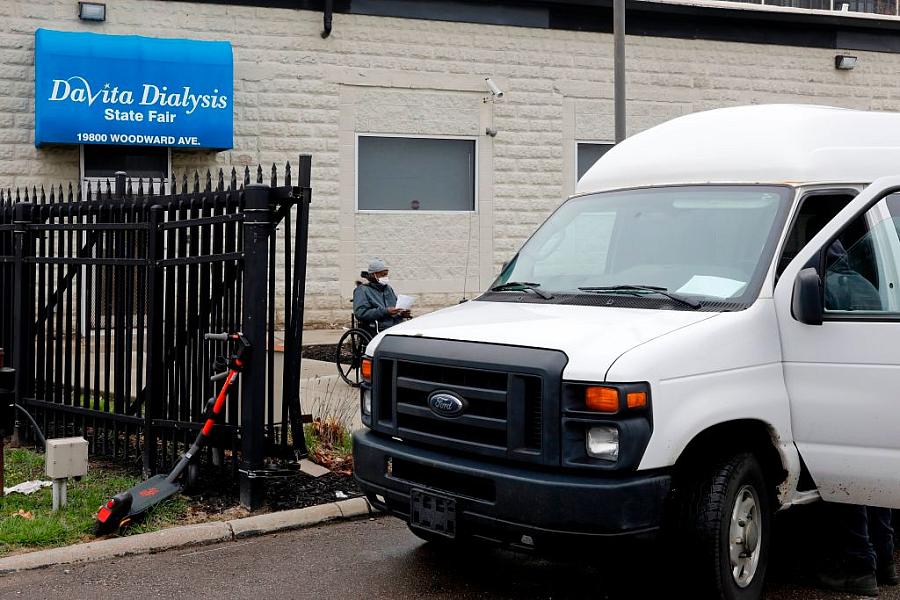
x: 105, y: 302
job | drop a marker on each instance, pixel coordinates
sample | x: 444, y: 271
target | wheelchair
x: 352, y: 347
x: 350, y: 351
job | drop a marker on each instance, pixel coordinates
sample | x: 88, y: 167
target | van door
x: 843, y: 376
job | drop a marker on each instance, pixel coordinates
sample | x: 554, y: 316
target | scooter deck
x: 149, y: 493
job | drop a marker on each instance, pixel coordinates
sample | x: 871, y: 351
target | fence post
x: 253, y: 380
x: 156, y: 369
x: 7, y: 383
x: 294, y: 333
x: 120, y: 185
x: 23, y: 308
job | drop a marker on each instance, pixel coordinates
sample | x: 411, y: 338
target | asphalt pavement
x: 375, y: 559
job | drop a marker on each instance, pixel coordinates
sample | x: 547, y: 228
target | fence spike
x: 129, y: 190
x: 287, y: 173
x: 196, y: 182
x: 18, y: 197
x: 44, y: 196
x: 109, y: 191
x: 89, y: 198
x: 184, y: 183
x: 274, y: 176
x: 247, y: 175
x: 2, y: 197
x: 208, y: 181
x: 259, y: 174
x: 34, y: 194
x: 220, y: 186
x: 141, y: 186
x: 233, y: 185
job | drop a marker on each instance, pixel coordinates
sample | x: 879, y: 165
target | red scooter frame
x: 132, y: 504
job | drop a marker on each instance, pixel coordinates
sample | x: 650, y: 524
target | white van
x: 709, y: 328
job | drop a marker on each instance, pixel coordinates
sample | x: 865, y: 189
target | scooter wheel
x: 192, y: 476
x: 101, y: 528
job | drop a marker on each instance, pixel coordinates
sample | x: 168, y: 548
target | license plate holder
x: 433, y: 512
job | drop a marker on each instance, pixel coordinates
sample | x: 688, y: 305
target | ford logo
x: 446, y: 404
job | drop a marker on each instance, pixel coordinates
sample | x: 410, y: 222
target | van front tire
x: 728, y: 517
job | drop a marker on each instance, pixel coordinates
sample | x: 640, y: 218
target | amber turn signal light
x: 366, y: 369
x: 636, y: 399
x: 602, y: 399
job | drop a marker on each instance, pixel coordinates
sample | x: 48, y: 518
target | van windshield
x: 702, y: 243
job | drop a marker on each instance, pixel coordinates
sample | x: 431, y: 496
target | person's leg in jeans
x: 881, y: 534
x: 854, y: 568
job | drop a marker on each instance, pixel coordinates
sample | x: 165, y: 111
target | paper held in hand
x: 405, y: 302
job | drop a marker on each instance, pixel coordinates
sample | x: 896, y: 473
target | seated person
x: 846, y: 289
x: 375, y: 302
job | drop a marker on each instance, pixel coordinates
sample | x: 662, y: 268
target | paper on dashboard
x: 709, y: 285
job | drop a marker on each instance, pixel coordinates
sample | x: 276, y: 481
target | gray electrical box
x: 67, y: 457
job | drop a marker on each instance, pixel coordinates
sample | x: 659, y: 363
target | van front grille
x: 506, y: 398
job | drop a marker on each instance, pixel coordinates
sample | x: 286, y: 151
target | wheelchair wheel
x: 350, y: 351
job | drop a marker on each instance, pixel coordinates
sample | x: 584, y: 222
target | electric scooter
x: 131, y: 505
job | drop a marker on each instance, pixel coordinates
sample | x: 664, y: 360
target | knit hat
x: 376, y: 265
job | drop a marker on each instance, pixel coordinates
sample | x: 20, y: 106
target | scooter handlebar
x: 219, y: 376
x: 222, y: 337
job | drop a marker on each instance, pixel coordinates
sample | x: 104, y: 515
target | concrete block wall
x: 295, y: 92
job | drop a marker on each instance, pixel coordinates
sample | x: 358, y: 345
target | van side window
x: 862, y: 266
x: 815, y: 212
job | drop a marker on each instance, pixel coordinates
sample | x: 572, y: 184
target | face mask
x: 384, y: 280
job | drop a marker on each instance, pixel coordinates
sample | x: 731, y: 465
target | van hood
x: 592, y: 337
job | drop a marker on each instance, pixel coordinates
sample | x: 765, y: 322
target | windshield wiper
x: 643, y: 288
x: 522, y: 285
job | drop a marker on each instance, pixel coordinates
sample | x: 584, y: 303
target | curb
x: 188, y: 535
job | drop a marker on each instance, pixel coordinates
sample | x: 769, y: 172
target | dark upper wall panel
x: 447, y: 10
x: 644, y: 18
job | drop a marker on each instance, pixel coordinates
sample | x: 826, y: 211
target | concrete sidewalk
x: 317, y: 337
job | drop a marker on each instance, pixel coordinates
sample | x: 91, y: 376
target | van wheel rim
x: 745, y: 536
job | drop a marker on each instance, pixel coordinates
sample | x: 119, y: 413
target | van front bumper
x: 503, y: 502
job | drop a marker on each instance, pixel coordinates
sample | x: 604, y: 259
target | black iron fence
x: 106, y: 295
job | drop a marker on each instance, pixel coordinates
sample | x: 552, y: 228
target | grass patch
x: 75, y: 522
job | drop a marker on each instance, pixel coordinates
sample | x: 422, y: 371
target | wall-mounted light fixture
x: 844, y: 62
x: 91, y: 11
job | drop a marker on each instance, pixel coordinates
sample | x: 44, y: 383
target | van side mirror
x: 806, y: 304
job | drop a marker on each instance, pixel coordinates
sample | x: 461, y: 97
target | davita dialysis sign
x: 132, y: 90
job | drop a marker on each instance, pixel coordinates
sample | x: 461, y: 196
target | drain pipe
x: 328, y: 15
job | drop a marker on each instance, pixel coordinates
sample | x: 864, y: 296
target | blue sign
x: 131, y: 90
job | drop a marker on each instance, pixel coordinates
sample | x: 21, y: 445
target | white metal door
x: 843, y: 377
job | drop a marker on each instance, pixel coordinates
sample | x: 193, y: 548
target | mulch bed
x: 296, y: 492
x: 211, y: 497
x: 325, y: 352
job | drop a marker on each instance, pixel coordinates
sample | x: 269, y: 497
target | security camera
x: 495, y: 91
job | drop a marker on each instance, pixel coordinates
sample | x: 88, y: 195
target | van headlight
x: 602, y: 442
